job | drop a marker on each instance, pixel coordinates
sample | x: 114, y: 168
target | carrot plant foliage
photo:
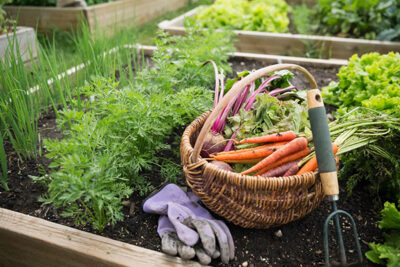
x: 114, y: 137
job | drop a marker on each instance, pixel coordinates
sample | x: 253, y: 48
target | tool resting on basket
x: 328, y: 174
x: 247, y: 201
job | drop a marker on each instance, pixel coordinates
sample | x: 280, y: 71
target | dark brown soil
x: 301, y: 242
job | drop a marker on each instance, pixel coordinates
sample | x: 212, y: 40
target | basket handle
x: 237, y: 87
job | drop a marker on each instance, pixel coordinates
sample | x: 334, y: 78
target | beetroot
x: 223, y: 165
x: 213, y: 143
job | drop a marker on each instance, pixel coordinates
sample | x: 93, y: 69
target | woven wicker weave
x: 247, y: 201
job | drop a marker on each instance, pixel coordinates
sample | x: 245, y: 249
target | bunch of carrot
x: 282, y: 154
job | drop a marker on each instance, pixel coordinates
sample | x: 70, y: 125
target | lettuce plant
x: 387, y: 253
x: 256, y: 15
x: 371, y: 80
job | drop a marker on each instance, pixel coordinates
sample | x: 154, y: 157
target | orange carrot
x: 312, y: 165
x: 244, y: 161
x: 285, y: 136
x: 298, y: 155
x: 277, y: 144
x: 293, y: 146
x: 248, y: 154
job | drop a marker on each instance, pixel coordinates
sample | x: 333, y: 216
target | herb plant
x: 115, y: 135
x: 256, y: 15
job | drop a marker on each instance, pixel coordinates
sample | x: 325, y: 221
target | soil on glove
x: 299, y: 243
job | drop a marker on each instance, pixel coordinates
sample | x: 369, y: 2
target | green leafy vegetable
x: 389, y: 252
x: 369, y: 19
x: 371, y: 80
x: 267, y: 116
x: 256, y: 15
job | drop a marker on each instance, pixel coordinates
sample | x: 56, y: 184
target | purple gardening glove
x: 186, y: 215
x: 171, y: 244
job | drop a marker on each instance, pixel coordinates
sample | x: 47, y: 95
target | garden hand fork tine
x: 327, y: 169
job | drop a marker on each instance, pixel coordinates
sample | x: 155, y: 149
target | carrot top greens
x: 117, y: 139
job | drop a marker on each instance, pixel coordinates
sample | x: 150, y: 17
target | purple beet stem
x: 281, y: 90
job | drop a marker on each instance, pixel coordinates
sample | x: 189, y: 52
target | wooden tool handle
x: 322, y: 142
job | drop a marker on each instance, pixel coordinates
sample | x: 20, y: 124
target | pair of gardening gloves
x: 188, y: 229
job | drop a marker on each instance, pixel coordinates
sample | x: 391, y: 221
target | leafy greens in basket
x: 269, y: 115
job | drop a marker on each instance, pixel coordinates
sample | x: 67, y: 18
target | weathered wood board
x: 23, y: 39
x: 288, y: 44
x: 121, y: 13
x: 30, y: 241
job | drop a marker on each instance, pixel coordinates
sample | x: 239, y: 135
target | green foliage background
x: 369, y: 19
x: 115, y: 137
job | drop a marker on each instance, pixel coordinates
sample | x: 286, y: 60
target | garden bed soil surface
x: 299, y: 243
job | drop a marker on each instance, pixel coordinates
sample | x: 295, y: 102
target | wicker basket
x: 247, y: 201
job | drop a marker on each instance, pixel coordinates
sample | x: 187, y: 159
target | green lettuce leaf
x: 389, y: 252
x: 390, y: 217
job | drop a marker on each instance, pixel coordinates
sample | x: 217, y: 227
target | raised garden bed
x: 291, y: 44
x: 107, y: 16
x: 27, y: 238
x: 24, y: 39
x: 30, y: 241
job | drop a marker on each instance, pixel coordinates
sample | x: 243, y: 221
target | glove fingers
x: 206, y: 235
x: 216, y: 254
x: 230, y: 239
x: 222, y: 241
x: 164, y: 225
x: 202, y: 256
x: 177, y: 215
x: 169, y: 243
x: 186, y: 252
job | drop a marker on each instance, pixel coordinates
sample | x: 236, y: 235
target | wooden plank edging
x: 272, y: 59
x: 30, y: 241
x: 23, y: 39
x: 107, y: 16
x: 294, y: 44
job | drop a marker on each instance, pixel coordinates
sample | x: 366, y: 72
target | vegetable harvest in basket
x: 265, y: 130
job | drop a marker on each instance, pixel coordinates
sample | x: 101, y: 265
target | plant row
x: 369, y: 19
